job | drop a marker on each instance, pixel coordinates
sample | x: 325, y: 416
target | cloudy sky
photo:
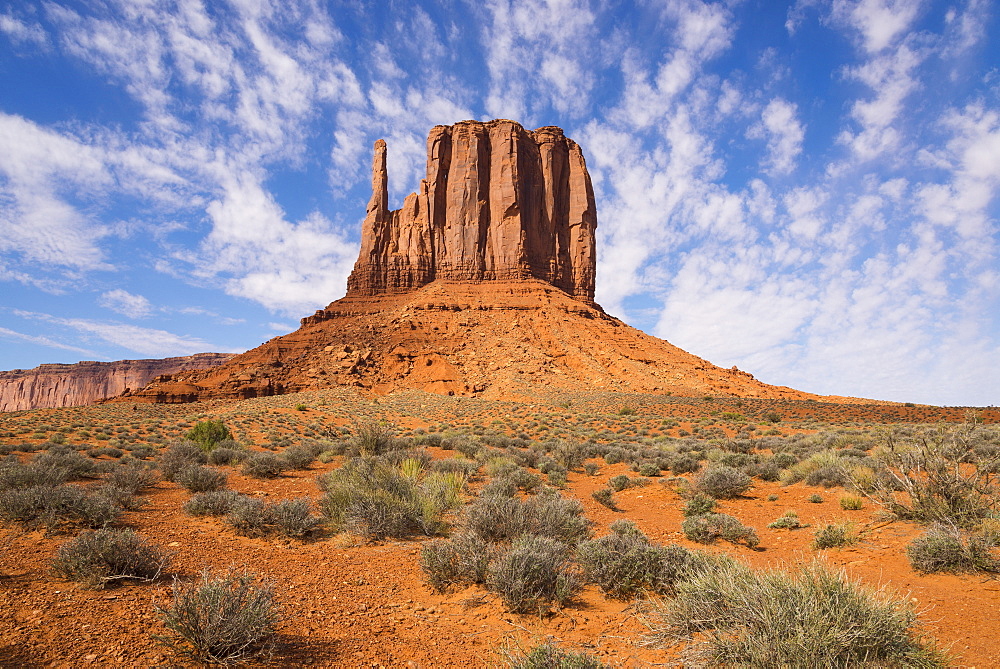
x: 805, y: 189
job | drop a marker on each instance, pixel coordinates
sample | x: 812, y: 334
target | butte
x: 481, y: 284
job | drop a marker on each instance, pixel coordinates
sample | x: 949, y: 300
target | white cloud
x: 41, y: 340
x: 125, y: 303
x: 22, y: 32
x: 879, y: 22
x: 784, y: 133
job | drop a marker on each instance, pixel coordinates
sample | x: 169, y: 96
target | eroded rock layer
x: 499, y: 203
x: 57, y: 385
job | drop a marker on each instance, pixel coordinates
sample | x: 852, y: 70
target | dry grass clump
x: 945, y: 547
x: 731, y: 615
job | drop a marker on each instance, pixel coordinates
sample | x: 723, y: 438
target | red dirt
x: 348, y: 603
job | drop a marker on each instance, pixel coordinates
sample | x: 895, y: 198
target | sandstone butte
x: 481, y: 284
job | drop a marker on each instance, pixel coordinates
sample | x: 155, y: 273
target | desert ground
x: 355, y: 599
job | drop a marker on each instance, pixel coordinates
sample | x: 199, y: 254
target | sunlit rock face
x: 499, y: 203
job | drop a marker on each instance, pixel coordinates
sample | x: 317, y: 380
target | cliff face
x: 57, y: 385
x: 499, y: 203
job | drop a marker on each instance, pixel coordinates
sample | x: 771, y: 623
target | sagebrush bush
x: 619, y: 482
x: 851, y: 503
x: 132, y: 478
x: 463, y: 559
x: 256, y: 518
x: 56, y: 507
x: 100, y: 557
x: 722, y: 482
x: 221, y: 619
x: 550, y: 656
x: 214, y: 503
x: 223, y: 455
x: 947, y: 548
x: 15, y: 474
x: 934, y: 475
x: 180, y: 455
x: 705, y: 529
x: 197, y: 478
x: 498, y: 518
x: 625, y: 564
x: 533, y: 575
x: 264, y: 465
x: 299, y: 456
x: 789, y: 520
x: 731, y: 615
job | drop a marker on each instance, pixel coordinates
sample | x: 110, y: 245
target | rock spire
x: 499, y: 203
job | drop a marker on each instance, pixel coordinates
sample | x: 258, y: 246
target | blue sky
x: 807, y: 190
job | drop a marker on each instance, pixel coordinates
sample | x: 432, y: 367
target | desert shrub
x: 851, y: 503
x: 558, y: 517
x: 705, y: 529
x: 649, y: 469
x: 221, y: 619
x: 214, y: 503
x: 299, y: 456
x: 178, y: 456
x: 106, y: 555
x: 498, y: 518
x: 374, y: 499
x: 722, y: 482
x: 463, y: 559
x: 767, y: 470
x: 833, y: 536
x: 224, y: 455
x: 109, y: 451
x: 197, y: 478
x: 58, y: 506
x: 685, y: 464
x: 619, y: 482
x: 732, y: 615
x: 815, y: 498
x: 207, y: 433
x: 534, y: 574
x: 699, y: 505
x: 264, y: 465
x: 569, y: 455
x: 550, y: 656
x: 605, y: 497
x: 74, y: 464
x: 132, y: 477
x: 15, y: 474
x: 256, y: 518
x: 789, y: 520
x: 591, y: 468
x: 626, y: 564
x: 370, y: 439
x: 946, y: 547
x: 785, y: 460
x: 462, y: 466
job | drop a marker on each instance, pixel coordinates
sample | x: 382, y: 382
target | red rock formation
x: 56, y: 385
x: 481, y: 284
x: 499, y: 203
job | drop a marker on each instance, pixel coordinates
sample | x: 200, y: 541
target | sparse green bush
x: 197, y: 478
x: 815, y: 498
x: 462, y: 559
x: 789, y: 520
x: 625, y: 564
x: 947, y: 548
x: 299, y: 456
x: 699, y: 505
x: 732, y: 615
x: 705, y: 529
x: 605, y: 497
x: 619, y: 482
x: 722, y: 482
x: 224, y: 455
x: 371, y: 498
x: 851, y: 503
x: 558, y: 517
x: 222, y: 619
x: 207, y: 433
x: 98, y: 558
x: 534, y: 574
x: 833, y: 536
x: 256, y: 518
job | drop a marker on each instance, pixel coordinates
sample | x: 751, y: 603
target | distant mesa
x: 58, y: 385
x: 482, y: 283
